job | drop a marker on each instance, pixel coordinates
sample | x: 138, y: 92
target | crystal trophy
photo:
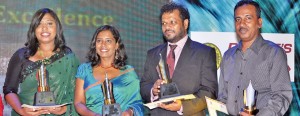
x: 43, y: 96
x: 110, y: 107
x: 168, y: 89
x: 249, y: 100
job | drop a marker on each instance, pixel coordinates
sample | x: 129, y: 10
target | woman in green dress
x: 45, y: 45
x: 107, y: 56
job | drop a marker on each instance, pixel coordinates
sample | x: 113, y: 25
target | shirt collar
x: 256, y: 45
x: 180, y: 43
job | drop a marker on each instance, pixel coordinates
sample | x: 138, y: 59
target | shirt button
x: 238, y: 86
x: 235, y: 101
x: 241, y: 73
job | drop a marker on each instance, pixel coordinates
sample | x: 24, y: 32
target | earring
x: 116, y: 55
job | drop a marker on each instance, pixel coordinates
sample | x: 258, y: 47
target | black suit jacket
x: 195, y: 73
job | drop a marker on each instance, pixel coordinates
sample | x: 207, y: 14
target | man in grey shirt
x: 261, y: 61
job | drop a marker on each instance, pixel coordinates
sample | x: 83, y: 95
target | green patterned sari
x: 61, y: 68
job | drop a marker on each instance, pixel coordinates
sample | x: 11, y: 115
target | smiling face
x: 106, y: 45
x: 173, y: 27
x: 247, y: 24
x: 46, y: 30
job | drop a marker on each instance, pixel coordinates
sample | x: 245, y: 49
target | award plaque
x: 249, y: 100
x: 110, y: 108
x: 168, y: 89
x: 43, y: 96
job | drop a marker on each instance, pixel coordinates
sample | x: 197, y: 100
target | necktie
x: 171, y: 60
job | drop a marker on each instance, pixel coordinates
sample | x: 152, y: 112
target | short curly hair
x: 170, y: 7
x: 249, y: 2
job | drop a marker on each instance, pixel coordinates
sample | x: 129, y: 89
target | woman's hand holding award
x: 44, y: 98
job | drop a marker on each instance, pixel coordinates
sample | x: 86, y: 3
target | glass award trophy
x: 250, y: 100
x: 43, y: 96
x: 110, y: 107
x: 168, y: 89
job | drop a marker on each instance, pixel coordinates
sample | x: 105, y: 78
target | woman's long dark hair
x: 32, y: 43
x: 120, y: 58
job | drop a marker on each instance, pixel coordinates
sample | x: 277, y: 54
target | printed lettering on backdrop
x: 221, y: 41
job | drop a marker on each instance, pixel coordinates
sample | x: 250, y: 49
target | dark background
x: 138, y: 23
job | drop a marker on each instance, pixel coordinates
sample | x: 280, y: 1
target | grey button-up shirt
x: 265, y: 64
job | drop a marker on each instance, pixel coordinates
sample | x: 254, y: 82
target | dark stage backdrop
x: 279, y: 16
x: 138, y: 23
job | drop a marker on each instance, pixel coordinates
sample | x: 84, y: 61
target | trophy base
x: 251, y: 111
x: 44, y: 99
x: 111, y: 110
x: 168, y: 90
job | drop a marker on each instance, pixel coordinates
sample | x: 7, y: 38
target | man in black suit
x: 195, y: 70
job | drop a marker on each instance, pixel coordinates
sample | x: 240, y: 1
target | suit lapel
x: 185, y: 53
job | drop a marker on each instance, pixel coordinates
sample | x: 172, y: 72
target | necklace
x: 105, y: 67
x: 45, y: 60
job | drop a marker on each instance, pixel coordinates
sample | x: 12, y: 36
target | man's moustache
x: 169, y: 30
x: 242, y: 28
